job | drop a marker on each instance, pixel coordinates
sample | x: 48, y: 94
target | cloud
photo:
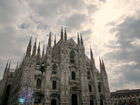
x: 8, y: 11
x: 75, y: 21
x: 24, y: 26
x: 116, y: 38
x: 12, y: 42
x: 128, y: 53
x: 113, y: 25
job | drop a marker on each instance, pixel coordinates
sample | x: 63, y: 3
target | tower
x: 105, y: 92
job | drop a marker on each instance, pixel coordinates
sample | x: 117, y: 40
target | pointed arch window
x: 88, y: 74
x: 90, y: 88
x: 53, y: 102
x: 38, y: 83
x: 73, y: 75
x: 72, y: 56
x: 54, y: 84
x: 99, y: 86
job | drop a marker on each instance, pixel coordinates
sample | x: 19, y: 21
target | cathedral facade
x: 59, y: 75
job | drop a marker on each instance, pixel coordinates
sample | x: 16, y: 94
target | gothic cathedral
x: 59, y: 75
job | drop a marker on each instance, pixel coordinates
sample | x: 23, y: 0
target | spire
x: 92, y: 58
x: 43, y: 51
x: 55, y: 40
x: 38, y: 50
x: 34, y: 48
x: 9, y: 66
x: 6, y: 65
x: 28, y: 51
x: 100, y: 63
x: 6, y: 69
x: 102, y: 67
x: 65, y: 34
x: 81, y: 40
x: 91, y: 53
x: 78, y: 39
x: 62, y: 33
x: 49, y: 40
x: 17, y: 66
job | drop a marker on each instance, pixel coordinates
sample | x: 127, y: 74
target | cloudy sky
x: 110, y: 27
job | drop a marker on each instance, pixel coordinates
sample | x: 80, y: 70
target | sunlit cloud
x: 105, y: 25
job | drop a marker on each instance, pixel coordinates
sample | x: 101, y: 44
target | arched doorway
x: 6, y: 95
x: 91, y: 100
x: 53, y: 102
x: 74, y: 99
x: 101, y: 101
